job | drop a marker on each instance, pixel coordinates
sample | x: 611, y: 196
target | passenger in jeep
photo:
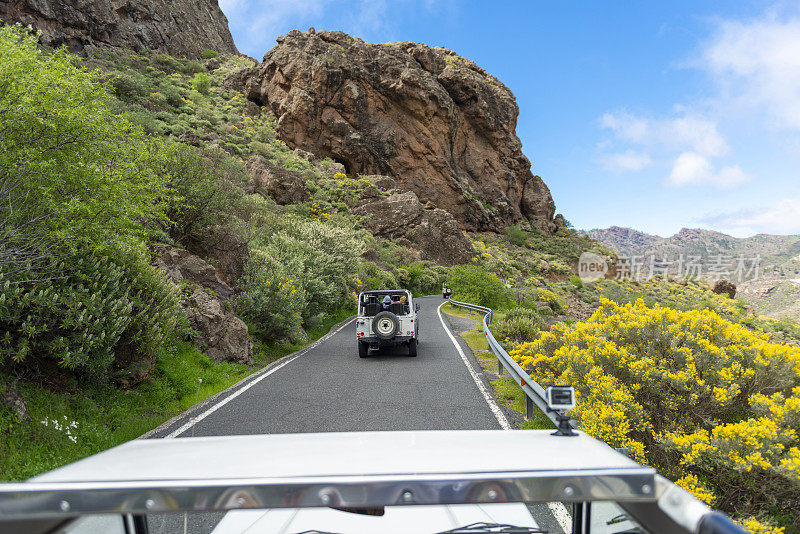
x: 404, y: 301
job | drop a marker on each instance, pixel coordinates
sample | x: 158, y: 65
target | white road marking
x: 558, y: 509
x: 194, y: 420
x: 562, y: 515
x: 496, y: 410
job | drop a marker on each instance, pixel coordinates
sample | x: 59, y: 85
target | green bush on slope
x: 476, y: 285
x: 89, y: 176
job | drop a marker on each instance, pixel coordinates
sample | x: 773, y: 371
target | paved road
x: 328, y: 388
x: 331, y: 389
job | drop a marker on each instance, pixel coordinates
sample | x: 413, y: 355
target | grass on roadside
x: 507, y: 391
x: 80, y: 418
x: 461, y: 312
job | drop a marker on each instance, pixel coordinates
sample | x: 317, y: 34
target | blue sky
x: 653, y: 115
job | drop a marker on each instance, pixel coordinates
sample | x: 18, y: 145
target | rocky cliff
x: 178, y: 27
x: 437, y: 123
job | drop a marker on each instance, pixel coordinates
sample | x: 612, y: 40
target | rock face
x: 285, y: 186
x: 402, y: 216
x: 435, y: 122
x: 220, y: 333
x: 178, y: 27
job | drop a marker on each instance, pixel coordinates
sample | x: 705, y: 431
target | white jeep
x: 386, y: 321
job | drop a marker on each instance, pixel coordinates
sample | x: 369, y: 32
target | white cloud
x: 783, y: 217
x: 629, y: 160
x: 756, y: 64
x: 687, y: 141
x: 686, y: 131
x: 694, y: 168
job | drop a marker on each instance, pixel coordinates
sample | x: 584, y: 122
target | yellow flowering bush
x: 712, y: 404
x: 319, y: 213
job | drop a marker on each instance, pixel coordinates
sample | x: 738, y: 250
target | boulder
x: 190, y: 137
x: 14, y: 401
x: 237, y: 80
x: 222, y: 335
x: 724, y: 286
x: 402, y: 216
x: 181, y: 28
x: 285, y: 186
x: 435, y: 122
x: 183, y: 266
x: 252, y: 110
x: 383, y: 182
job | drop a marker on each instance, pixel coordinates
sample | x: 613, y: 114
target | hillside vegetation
x: 92, y: 175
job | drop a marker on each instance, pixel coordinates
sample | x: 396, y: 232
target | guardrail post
x: 529, y: 407
x: 500, y: 369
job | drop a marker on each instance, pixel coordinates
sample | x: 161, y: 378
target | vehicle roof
x: 358, y: 468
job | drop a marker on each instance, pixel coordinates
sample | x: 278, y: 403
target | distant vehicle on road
x: 386, y: 318
x: 446, y: 292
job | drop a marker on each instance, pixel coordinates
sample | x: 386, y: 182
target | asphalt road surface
x: 328, y: 388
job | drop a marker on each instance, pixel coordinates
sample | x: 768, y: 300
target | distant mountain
x: 776, y: 290
x: 773, y: 249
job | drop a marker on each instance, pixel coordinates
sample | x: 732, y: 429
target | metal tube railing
x: 534, y: 393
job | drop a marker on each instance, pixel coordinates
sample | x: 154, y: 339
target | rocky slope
x: 178, y: 27
x: 437, y: 123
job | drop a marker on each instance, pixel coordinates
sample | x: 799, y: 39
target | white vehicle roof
x: 354, y: 469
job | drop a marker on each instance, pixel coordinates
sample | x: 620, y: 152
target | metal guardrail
x: 534, y: 393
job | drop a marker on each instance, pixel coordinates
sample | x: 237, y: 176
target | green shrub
x: 525, y: 313
x: 516, y: 236
x: 476, y: 285
x: 516, y: 328
x: 324, y: 259
x: 209, y: 54
x: 80, y: 315
x: 207, y: 190
x: 130, y: 86
x: 554, y: 301
x: 576, y: 281
x: 272, y: 300
x: 201, y: 83
x: 58, y: 132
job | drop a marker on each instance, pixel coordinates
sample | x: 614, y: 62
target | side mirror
x: 416, y: 307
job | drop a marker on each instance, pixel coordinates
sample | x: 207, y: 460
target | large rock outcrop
x: 177, y: 27
x: 402, y: 216
x: 222, y: 335
x: 434, y: 121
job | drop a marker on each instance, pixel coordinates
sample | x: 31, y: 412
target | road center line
x: 194, y: 420
x: 496, y: 410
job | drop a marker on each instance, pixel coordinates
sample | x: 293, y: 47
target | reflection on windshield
x: 517, y: 518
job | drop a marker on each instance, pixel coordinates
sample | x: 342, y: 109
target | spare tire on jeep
x: 385, y: 325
